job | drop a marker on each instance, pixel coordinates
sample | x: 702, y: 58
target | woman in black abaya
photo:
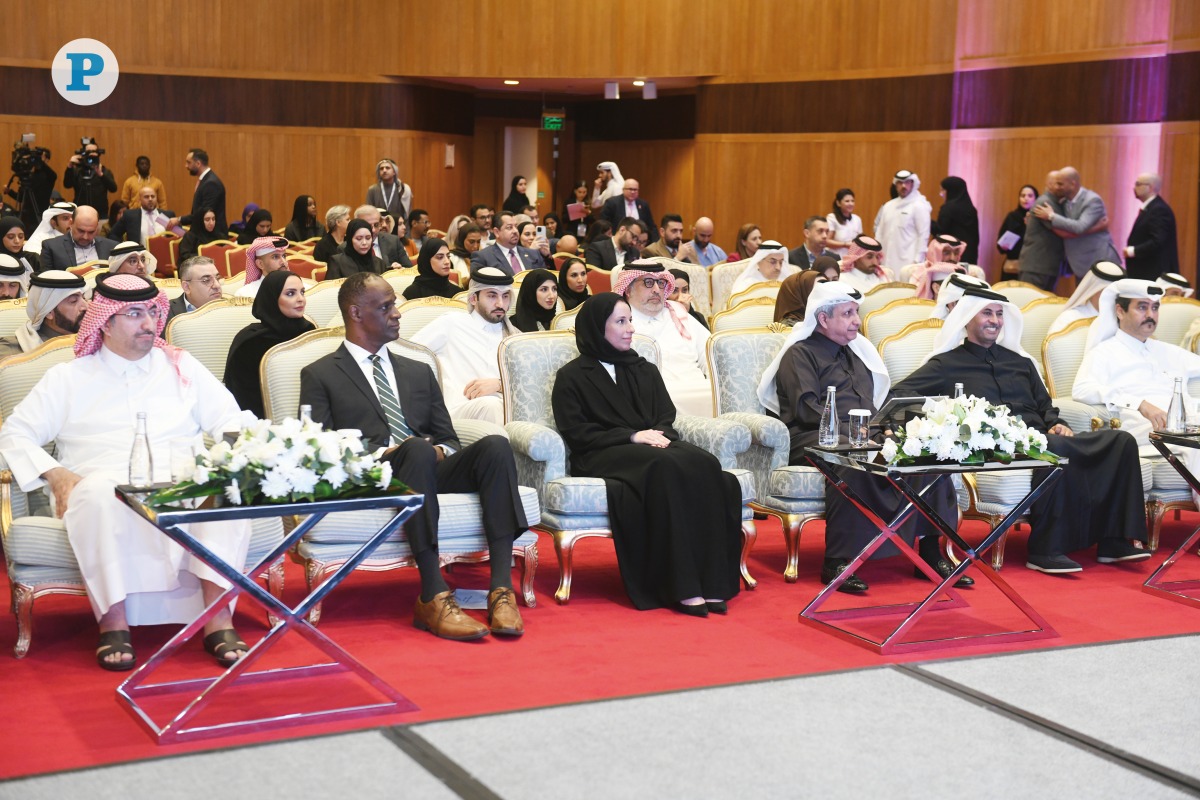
x: 675, y: 515
x: 433, y: 272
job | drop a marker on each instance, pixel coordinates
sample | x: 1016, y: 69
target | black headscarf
x: 30, y: 260
x: 515, y: 202
x: 253, y: 341
x: 428, y: 282
x: 365, y: 263
x: 250, y: 232
x: 6, y: 225
x: 696, y: 315
x: 959, y: 218
x: 530, y: 314
x: 570, y: 298
x: 589, y: 338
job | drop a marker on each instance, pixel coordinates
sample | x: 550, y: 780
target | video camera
x: 26, y: 157
x: 89, y: 159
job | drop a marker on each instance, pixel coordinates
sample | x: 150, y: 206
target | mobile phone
x: 541, y: 231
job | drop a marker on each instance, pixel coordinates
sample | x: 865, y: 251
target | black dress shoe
x: 852, y: 585
x: 698, y: 610
x: 944, y: 568
x: 717, y: 607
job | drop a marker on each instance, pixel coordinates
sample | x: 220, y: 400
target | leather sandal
x: 222, y: 643
x: 115, y: 642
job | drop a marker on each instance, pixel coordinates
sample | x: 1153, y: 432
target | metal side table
x: 826, y: 459
x: 1157, y: 583
x: 181, y: 728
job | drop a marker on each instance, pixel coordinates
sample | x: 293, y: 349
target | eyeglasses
x: 138, y: 314
x: 207, y: 280
x: 650, y: 283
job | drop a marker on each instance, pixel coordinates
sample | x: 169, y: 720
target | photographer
x: 87, y: 176
x: 32, y: 181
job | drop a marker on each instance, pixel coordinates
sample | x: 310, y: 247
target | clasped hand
x: 651, y: 437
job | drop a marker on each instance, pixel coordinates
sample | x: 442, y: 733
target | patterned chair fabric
x: 208, y: 331
x: 754, y: 312
x: 38, y: 556
x: 566, y: 320
x: 903, y: 352
x: 763, y: 289
x: 1020, y: 293
x: 723, y: 278
x: 577, y: 508
x: 699, y: 283
x: 883, y: 294
x: 172, y: 287
x: 1175, y: 317
x: 416, y: 314
x: 13, y: 314
x: 335, y: 538
x: 1038, y: 316
x: 895, y: 317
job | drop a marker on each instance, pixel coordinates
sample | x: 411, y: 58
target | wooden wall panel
x: 779, y: 181
x: 1185, y: 25
x: 269, y: 166
x: 663, y: 169
x: 1181, y: 188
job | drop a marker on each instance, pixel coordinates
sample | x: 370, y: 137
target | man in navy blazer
x: 610, y: 252
x: 210, y: 192
x: 1152, y: 248
x: 397, y: 404
x: 63, y: 252
x: 131, y: 226
x: 629, y: 204
x: 506, y: 254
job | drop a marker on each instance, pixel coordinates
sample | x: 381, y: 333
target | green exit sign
x: 553, y: 120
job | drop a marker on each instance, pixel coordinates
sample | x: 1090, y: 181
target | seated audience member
x: 749, y: 237
x: 1086, y: 298
x: 257, y: 226
x: 268, y: 254
x: 452, y: 237
x: 337, y: 218
x: 140, y: 223
x: 418, y: 228
x: 629, y: 205
x: 572, y: 283
x: 929, y: 278
x: 387, y: 247
x: 1098, y: 498
x: 80, y: 244
x: 482, y: 215
x: 304, y: 224
x: 12, y: 242
x: 683, y: 295
x: 844, y: 225
x: 952, y: 291
x: 792, y: 300
x: 465, y: 243
x: 553, y: 229
x: 816, y: 233
x: 829, y: 267
x: 862, y: 267
x: 528, y: 238
x: 769, y: 263
x: 701, y: 249
x: 507, y: 254
x: 357, y: 255
x: 434, y: 272
x: 826, y: 350
x: 396, y: 403
x: 388, y: 192
x: 537, y: 302
x: 56, y: 221
x: 674, y: 512
x: 466, y: 345
x: 598, y: 229
x: 681, y: 340
x: 14, y: 278
x: 621, y: 248
x: 670, y: 237
x: 943, y: 249
x: 201, y: 285
x: 1174, y: 285
x: 201, y: 233
x: 87, y: 408
x: 279, y: 309
x: 567, y: 244
x: 115, y: 212
x: 241, y: 225
x: 56, y: 307
x: 131, y: 258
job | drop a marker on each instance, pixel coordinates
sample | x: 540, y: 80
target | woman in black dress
x: 433, y: 272
x: 202, y: 231
x: 572, y: 283
x: 257, y: 226
x: 304, y: 224
x: 358, y: 255
x: 675, y: 515
x: 279, y: 309
x: 12, y: 242
x: 517, y: 199
x: 537, y: 302
x: 958, y: 217
x: 1014, y: 222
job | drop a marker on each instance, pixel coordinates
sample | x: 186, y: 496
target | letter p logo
x: 85, y: 72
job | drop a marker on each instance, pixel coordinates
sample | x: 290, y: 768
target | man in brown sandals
x: 88, y: 409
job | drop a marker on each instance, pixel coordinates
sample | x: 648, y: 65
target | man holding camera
x: 87, y: 176
x: 35, y: 180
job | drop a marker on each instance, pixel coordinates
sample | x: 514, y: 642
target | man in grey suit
x: 1083, y: 223
x: 397, y: 404
x: 506, y: 254
x: 1042, y: 251
x: 80, y: 244
x: 386, y: 245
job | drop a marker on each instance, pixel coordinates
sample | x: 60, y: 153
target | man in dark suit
x: 506, y: 254
x: 1152, y: 248
x: 612, y: 252
x: 397, y: 403
x: 386, y: 245
x: 79, y: 244
x: 210, y: 192
x: 816, y: 234
x: 201, y: 284
x: 629, y: 204
x: 133, y: 225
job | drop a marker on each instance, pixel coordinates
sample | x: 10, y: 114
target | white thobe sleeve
x: 921, y: 218
x: 34, y: 423
x: 1094, y: 384
x: 699, y: 340
x: 435, y: 335
x: 216, y: 411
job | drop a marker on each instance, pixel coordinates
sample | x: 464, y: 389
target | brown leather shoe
x: 503, y: 615
x: 442, y: 617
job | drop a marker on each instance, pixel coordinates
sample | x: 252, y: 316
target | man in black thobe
x: 823, y: 351
x: 1099, y: 498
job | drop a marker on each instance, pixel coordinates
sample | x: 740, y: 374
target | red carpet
x: 63, y: 713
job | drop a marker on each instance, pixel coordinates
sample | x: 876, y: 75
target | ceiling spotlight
x: 639, y: 83
x: 512, y: 83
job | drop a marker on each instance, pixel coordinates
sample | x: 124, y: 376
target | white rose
x: 912, y: 447
x: 385, y: 475
x: 889, y: 450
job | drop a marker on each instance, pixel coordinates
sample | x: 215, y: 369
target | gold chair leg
x: 22, y: 606
x: 749, y: 537
x: 275, y: 587
x: 529, y: 564
x: 792, y: 524
x: 314, y: 572
x: 998, y: 551
x: 564, y: 547
x: 1155, y: 510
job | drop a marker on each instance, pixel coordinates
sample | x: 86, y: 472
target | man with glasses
x: 386, y: 246
x: 131, y: 258
x: 680, y: 337
x: 201, y: 284
x: 88, y: 408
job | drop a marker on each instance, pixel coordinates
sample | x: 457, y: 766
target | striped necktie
x: 391, y: 407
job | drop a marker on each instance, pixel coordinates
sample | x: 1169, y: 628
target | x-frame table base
x: 184, y: 726
x: 897, y: 640
x: 1157, y: 583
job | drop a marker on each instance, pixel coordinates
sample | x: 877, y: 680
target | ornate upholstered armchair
x: 577, y: 508
x: 322, y: 302
x: 753, y: 312
x: 1020, y: 293
x: 416, y: 314
x: 699, y: 283
x: 13, y: 314
x: 38, y: 555
x: 208, y: 331
x: 894, y: 317
x: 1038, y: 316
x: 335, y: 539
x: 884, y: 293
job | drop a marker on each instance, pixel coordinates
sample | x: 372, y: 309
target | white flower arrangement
x: 292, y: 461
x: 967, y: 430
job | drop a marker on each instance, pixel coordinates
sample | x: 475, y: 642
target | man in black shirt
x: 90, y: 180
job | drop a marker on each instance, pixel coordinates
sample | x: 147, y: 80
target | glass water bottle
x: 141, y: 463
x: 1176, y: 415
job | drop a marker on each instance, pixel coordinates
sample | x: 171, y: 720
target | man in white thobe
x: 56, y: 307
x: 267, y: 254
x: 56, y: 220
x: 862, y: 265
x: 1085, y: 300
x: 134, y: 574
x: 467, y: 346
x: 902, y: 224
x: 680, y: 338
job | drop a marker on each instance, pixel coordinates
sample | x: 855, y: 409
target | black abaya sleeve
x: 582, y: 423
x: 927, y: 380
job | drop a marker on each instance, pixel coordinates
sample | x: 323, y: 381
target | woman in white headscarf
x: 608, y: 183
x: 769, y: 263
